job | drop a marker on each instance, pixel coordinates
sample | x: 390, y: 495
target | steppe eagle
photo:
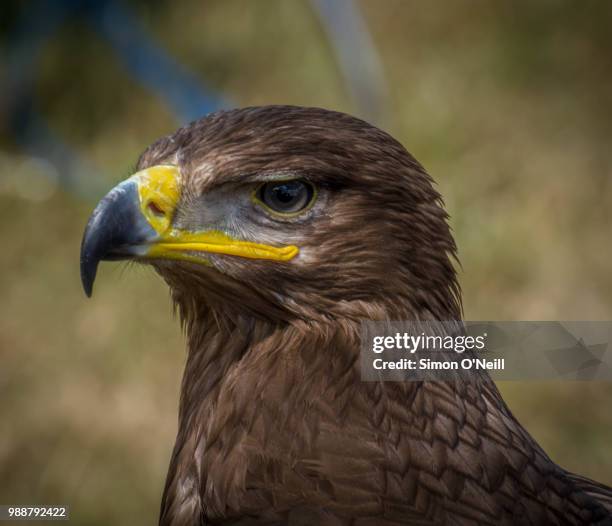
x: 278, y: 230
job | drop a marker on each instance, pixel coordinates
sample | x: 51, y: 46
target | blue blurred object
x: 143, y: 58
x: 158, y: 72
x: 151, y: 65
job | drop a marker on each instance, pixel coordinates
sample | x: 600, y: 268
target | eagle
x: 279, y: 230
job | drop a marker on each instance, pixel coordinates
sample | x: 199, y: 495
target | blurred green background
x: 507, y: 104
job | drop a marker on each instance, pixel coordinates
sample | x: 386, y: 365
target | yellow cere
x: 158, y: 189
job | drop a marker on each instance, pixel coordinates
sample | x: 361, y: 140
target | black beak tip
x: 88, y: 274
x: 89, y: 266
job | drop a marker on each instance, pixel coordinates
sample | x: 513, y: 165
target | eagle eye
x: 286, y: 197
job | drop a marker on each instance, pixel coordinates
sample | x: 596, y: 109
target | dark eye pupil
x: 287, y: 196
x: 285, y: 193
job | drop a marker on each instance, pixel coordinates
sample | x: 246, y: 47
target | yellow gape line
x: 216, y: 242
x: 158, y: 190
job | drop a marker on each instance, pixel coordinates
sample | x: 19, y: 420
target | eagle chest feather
x: 289, y: 434
x: 268, y: 436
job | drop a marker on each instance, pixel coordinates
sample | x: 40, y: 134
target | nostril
x: 155, y: 209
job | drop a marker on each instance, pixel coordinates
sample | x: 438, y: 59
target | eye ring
x: 285, y: 198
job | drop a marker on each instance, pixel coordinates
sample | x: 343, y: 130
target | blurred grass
x: 507, y: 105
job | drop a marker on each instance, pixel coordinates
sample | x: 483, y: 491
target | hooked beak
x: 134, y: 221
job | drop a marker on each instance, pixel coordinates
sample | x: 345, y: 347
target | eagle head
x: 282, y: 212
